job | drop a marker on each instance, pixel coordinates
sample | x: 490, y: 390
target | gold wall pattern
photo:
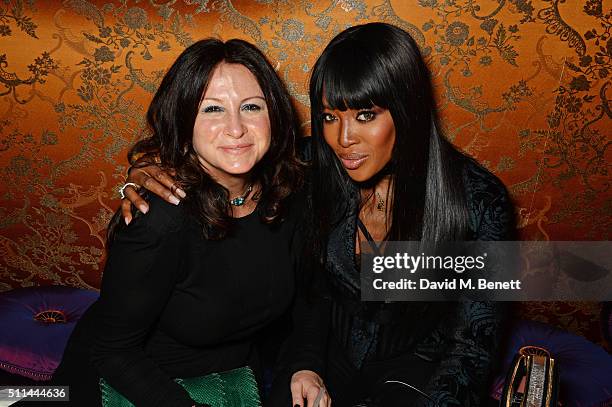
x: 523, y: 87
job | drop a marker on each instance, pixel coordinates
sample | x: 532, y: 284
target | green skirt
x: 234, y: 388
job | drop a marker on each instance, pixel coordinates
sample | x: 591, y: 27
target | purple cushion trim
x: 585, y: 369
x: 32, y: 348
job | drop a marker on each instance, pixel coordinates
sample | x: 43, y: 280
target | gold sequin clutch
x: 532, y: 380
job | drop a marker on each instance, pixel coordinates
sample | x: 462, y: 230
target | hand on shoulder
x: 152, y: 178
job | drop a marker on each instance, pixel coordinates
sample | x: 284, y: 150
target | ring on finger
x: 317, y: 400
x: 127, y: 184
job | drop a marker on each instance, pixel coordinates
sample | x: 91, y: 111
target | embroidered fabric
x: 466, y: 331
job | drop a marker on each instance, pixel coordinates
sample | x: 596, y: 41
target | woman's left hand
x: 306, y: 385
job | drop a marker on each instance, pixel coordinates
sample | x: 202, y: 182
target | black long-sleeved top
x: 461, y: 338
x: 174, y: 304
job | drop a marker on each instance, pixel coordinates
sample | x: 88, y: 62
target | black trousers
x: 349, y: 386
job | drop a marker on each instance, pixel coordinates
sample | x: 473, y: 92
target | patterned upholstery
x: 522, y: 87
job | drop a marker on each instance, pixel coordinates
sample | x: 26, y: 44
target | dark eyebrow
x: 254, y: 97
x: 250, y: 97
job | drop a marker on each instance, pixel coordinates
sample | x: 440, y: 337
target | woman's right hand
x: 306, y: 384
x: 154, y: 179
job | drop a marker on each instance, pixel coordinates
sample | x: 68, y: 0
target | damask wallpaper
x: 523, y: 87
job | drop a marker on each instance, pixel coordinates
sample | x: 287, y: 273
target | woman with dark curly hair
x: 187, y: 288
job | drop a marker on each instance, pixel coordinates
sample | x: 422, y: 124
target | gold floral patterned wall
x: 523, y: 87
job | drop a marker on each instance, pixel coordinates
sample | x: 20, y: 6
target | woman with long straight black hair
x: 381, y: 171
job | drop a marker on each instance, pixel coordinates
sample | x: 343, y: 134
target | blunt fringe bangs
x: 349, y: 81
x: 171, y: 117
x: 379, y: 64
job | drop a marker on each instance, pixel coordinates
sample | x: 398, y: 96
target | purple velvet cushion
x: 35, y: 324
x: 585, y: 369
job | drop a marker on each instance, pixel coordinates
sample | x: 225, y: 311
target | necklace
x: 380, y: 205
x: 240, y: 200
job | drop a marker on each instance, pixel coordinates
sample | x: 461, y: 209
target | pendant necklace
x: 240, y: 200
x: 380, y: 205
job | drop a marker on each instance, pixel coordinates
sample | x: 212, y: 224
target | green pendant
x: 238, y: 201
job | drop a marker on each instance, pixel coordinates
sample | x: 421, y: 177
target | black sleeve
x: 140, y: 274
x: 491, y: 210
x: 307, y: 344
x: 473, y: 334
x: 305, y: 349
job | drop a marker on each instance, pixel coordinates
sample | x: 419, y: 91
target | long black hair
x: 379, y: 64
x: 171, y: 117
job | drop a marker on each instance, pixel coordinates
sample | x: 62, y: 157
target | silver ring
x: 127, y: 184
x: 317, y: 400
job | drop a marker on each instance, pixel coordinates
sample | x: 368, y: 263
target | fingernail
x: 126, y: 220
x: 174, y: 200
x: 181, y: 193
x: 143, y: 209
